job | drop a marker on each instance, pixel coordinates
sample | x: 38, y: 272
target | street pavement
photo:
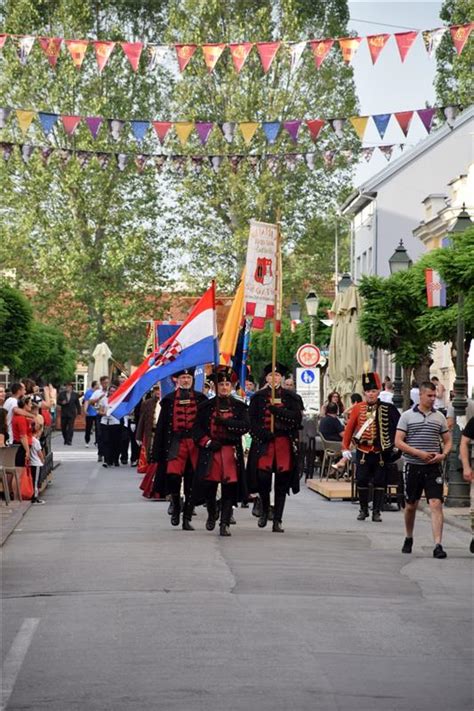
x: 107, y: 607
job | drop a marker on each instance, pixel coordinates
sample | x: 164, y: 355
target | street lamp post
x: 345, y: 282
x: 399, y: 262
x: 312, y: 304
x: 459, y: 491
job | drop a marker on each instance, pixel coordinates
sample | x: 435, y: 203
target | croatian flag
x: 435, y: 288
x: 194, y: 343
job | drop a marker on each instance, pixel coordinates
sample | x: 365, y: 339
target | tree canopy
x: 46, y: 356
x: 453, y: 79
x: 16, y: 318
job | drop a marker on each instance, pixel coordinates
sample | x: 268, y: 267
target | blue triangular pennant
x: 139, y: 128
x: 381, y: 121
x: 47, y: 121
x: 271, y: 130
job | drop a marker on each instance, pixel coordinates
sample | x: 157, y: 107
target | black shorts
x: 418, y: 478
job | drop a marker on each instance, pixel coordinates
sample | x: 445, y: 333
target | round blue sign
x: 307, y: 376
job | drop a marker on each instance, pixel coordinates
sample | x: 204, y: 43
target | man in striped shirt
x: 420, y: 432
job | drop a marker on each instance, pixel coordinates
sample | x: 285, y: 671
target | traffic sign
x: 308, y: 355
x: 307, y: 385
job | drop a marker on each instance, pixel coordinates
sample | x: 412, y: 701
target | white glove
x: 139, y: 442
x: 133, y: 427
x: 347, y: 454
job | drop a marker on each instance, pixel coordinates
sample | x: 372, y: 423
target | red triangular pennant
x: 404, y: 119
x: 376, y: 43
x: 404, y: 41
x: 267, y: 52
x: 51, y: 46
x: 460, y: 35
x: 133, y: 52
x: 239, y: 54
x: 103, y: 50
x: 70, y: 123
x: 315, y: 126
x: 161, y: 129
x: 320, y: 49
x: 3, y: 39
x: 184, y: 52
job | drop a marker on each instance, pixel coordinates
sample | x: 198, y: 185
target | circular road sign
x: 308, y: 355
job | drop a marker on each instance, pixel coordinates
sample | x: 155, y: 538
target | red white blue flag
x: 435, y: 288
x: 194, y: 343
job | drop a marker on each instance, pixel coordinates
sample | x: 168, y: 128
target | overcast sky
x: 391, y: 85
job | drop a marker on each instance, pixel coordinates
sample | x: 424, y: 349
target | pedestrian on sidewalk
x: 90, y: 413
x: 111, y: 430
x: 467, y: 437
x: 419, y: 433
x: 70, y: 404
x: 371, y: 429
x: 95, y: 402
x: 36, y: 462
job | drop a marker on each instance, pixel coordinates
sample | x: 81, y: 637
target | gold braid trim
x: 384, y: 427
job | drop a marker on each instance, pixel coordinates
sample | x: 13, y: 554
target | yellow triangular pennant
x: 183, y: 130
x: 24, y: 119
x: 359, y: 123
x: 248, y: 129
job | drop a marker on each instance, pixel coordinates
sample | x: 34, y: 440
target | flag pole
x: 275, y: 307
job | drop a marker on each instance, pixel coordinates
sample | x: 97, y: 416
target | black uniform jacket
x: 165, y: 442
x: 288, y: 422
x: 236, y: 426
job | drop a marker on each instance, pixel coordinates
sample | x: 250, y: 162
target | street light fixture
x: 458, y: 489
x: 399, y: 262
x: 345, y: 282
x: 312, y: 304
x: 295, y: 311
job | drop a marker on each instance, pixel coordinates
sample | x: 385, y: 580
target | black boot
x: 264, y: 509
x: 226, y: 513
x: 364, y: 504
x: 379, y: 495
x: 176, y: 509
x: 278, y: 513
x: 187, y: 515
x: 257, y: 507
x: 211, y: 514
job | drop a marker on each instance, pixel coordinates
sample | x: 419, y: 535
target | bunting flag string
x: 271, y: 129
x: 194, y: 163
x: 239, y: 51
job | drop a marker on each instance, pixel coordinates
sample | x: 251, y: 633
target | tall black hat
x: 371, y: 381
x: 184, y: 371
x: 279, y: 368
x: 223, y: 373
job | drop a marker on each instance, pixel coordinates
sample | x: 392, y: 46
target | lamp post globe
x: 312, y: 304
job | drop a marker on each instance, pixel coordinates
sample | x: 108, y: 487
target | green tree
x: 16, y: 318
x: 453, y: 82
x: 214, y: 228
x: 85, y: 240
x: 46, y: 355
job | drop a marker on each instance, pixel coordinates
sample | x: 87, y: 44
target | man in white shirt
x: 10, y: 404
x: 95, y: 401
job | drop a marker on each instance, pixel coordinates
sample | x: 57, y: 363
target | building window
x: 364, y: 263
x: 370, y: 266
x: 358, y: 274
x: 79, y: 381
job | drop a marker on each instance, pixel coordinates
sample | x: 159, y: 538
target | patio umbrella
x: 349, y: 356
x: 101, y: 355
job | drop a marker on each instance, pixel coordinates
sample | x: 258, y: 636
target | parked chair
x: 332, y: 450
x: 7, y: 466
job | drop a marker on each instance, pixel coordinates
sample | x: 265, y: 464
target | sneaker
x: 133, y: 464
x: 35, y: 500
x: 105, y: 465
x: 87, y: 445
x: 471, y: 547
x: 438, y: 551
x: 407, y: 545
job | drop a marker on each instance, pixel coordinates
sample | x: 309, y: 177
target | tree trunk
x: 406, y: 377
x: 421, y: 373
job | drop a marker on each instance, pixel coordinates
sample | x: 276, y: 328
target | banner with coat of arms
x: 261, y: 272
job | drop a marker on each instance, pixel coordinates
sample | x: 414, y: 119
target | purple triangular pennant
x: 426, y: 117
x: 203, y: 129
x: 93, y: 124
x: 292, y: 127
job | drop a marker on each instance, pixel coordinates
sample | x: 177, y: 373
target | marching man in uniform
x: 174, y: 449
x: 220, y: 424
x: 274, y: 428
x: 371, y: 428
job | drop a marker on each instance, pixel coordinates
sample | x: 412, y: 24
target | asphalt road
x: 107, y: 607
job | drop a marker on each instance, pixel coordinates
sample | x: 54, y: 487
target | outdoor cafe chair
x: 7, y: 466
x: 332, y: 450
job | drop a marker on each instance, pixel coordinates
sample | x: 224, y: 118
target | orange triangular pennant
x: 404, y: 119
x: 376, y: 44
x: 51, y: 46
x: 349, y: 46
x: 359, y: 123
x: 460, y: 35
x: 103, y: 50
x: 248, y: 129
x: 320, y: 49
x: 184, y: 52
x: 267, y: 52
x: 133, y: 52
x: 211, y: 53
x: 24, y: 119
x: 183, y: 130
x: 239, y: 53
x: 77, y: 50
